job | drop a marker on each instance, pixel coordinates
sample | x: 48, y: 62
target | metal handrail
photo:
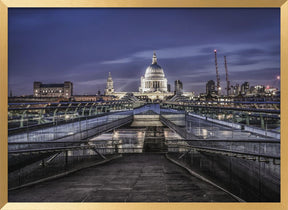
x: 222, y: 151
x: 62, y: 121
x: 229, y: 108
x: 70, y: 148
x: 109, y: 125
x: 230, y: 141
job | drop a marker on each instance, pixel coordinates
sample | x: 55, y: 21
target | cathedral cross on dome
x: 154, y: 59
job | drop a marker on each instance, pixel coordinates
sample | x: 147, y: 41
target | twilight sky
x: 83, y: 45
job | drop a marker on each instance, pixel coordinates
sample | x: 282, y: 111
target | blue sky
x: 83, y: 45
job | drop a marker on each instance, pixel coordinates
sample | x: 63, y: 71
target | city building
x: 63, y: 90
x: 210, y: 87
x: 257, y: 90
x: 245, y: 88
x: 178, y: 85
x: 235, y: 90
x: 168, y: 87
x: 271, y: 90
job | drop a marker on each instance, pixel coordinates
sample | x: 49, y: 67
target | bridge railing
x: 249, y: 114
x: 192, y: 126
x: 238, y: 126
x: 28, y: 115
x: 180, y: 130
x: 272, y: 105
x: 261, y: 150
x: 51, y: 161
x: 252, y: 147
x: 30, y: 162
x: 250, y: 169
x: 76, y: 130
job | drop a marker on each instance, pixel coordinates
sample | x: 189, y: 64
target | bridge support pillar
x: 101, y: 109
x: 22, y: 119
x: 40, y: 116
x: 90, y: 110
x: 43, y: 163
x: 234, y: 117
x: 66, y: 110
x: 76, y: 110
x: 54, y: 114
x: 262, y: 121
x: 66, y: 159
x: 225, y: 115
x: 83, y: 110
x: 247, y: 119
x: 23, y: 116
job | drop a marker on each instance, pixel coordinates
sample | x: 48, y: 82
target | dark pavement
x: 133, y: 178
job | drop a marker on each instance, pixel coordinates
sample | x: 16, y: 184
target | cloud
x: 118, y: 61
x: 92, y: 82
x: 163, y: 53
x: 192, y: 51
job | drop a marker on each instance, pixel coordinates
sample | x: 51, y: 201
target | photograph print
x: 144, y: 105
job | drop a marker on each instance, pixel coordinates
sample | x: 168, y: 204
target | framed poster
x: 128, y: 38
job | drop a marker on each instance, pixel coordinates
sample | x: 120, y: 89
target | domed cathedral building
x: 154, y: 79
x: 153, y: 85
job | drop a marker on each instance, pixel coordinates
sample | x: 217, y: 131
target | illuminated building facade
x: 64, y: 90
x: 154, y: 79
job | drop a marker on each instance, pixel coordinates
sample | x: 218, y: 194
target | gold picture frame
x: 5, y: 4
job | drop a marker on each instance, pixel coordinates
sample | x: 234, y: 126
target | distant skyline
x: 83, y: 45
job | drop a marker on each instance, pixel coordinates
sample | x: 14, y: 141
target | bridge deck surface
x: 132, y: 178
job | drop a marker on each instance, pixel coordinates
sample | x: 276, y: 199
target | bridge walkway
x: 147, y: 177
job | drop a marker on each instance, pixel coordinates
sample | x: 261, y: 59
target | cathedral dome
x: 154, y: 79
x: 154, y: 71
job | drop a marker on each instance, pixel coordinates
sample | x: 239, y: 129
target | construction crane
x: 227, y: 80
x: 217, y: 74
